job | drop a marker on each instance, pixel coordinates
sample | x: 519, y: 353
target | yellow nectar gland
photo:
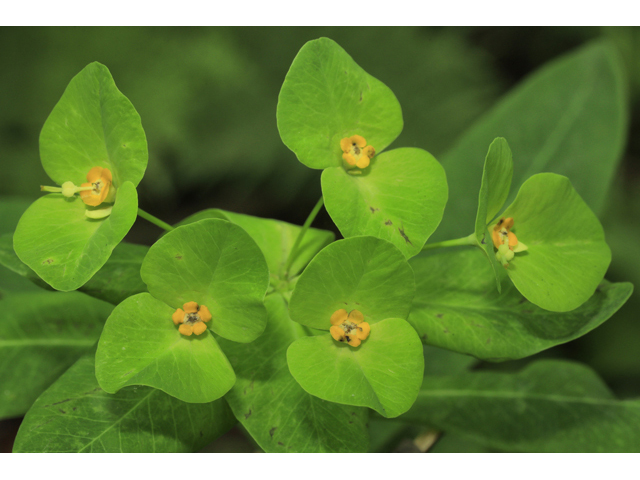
x: 98, y: 190
x: 356, y: 152
x: 349, y: 327
x: 506, y: 241
x: 191, y: 318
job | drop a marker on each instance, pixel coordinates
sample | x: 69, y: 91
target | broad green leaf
x: 275, y: 238
x: 10, y: 260
x: 92, y: 125
x: 550, y: 406
x: 326, y: 97
x: 76, y: 415
x: 400, y: 198
x: 494, y: 190
x: 63, y: 246
x: 274, y: 409
x: 567, y: 256
x: 140, y: 345
x: 118, y: 279
x: 384, y: 373
x: 214, y: 263
x: 41, y: 335
x: 457, y: 307
x: 568, y: 118
x: 360, y: 273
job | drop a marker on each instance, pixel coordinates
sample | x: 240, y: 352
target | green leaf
x: 117, y: 280
x: 275, y: 238
x: 567, y: 256
x: 63, y: 246
x: 494, y: 190
x: 41, y: 335
x: 76, y: 415
x: 550, y: 406
x: 326, y: 97
x: 274, y: 409
x: 400, y: 198
x: 384, y: 373
x: 568, y: 118
x: 11, y: 209
x: 214, y: 263
x: 457, y: 307
x: 92, y: 125
x: 361, y: 273
x: 140, y: 345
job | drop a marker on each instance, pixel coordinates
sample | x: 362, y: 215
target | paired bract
x: 335, y: 116
x: 93, y: 138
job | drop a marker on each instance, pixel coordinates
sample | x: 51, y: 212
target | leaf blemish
x: 373, y: 210
x: 280, y: 443
x: 439, y: 315
x: 48, y: 261
x: 272, y: 431
x: 62, y: 411
x: 388, y: 222
x: 178, y: 257
x: 247, y: 415
x: 404, y: 235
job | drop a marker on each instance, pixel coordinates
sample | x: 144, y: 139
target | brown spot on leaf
x: 404, y: 235
x: 62, y: 411
x: 178, y: 257
x: 424, y: 337
x: 280, y: 443
x: 488, y: 340
x: 247, y: 415
x: 446, y: 330
x: 272, y: 431
x: 373, y: 210
x: 48, y: 261
x: 388, y: 222
x: 439, y: 315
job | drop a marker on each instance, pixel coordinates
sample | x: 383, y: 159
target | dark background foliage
x: 207, y: 98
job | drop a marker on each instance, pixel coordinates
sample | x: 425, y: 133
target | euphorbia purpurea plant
x: 308, y: 342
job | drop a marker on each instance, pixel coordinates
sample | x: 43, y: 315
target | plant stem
x: 305, y: 227
x: 470, y: 240
x: 154, y: 220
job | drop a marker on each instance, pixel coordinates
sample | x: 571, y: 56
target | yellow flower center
x: 349, y: 327
x: 356, y: 152
x: 191, y: 318
x: 98, y: 190
x: 506, y: 241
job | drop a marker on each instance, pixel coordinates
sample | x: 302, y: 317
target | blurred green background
x: 207, y: 98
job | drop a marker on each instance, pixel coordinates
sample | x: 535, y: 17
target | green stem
x: 470, y: 240
x: 154, y: 220
x: 305, y: 227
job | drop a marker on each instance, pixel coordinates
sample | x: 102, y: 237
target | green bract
x: 494, y: 190
x: 566, y: 255
x: 275, y: 410
x: 93, y: 125
x: 384, y: 373
x: 211, y: 262
x: 327, y: 97
x: 458, y: 307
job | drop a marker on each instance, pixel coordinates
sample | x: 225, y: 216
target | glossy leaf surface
x: 399, y: 198
x: 567, y: 256
x: 326, y: 97
x: 93, y: 125
x: 457, y: 307
x: 384, y: 373
x: 63, y: 246
x: 550, y: 406
x: 569, y: 118
x: 140, y: 345
x: 214, y: 263
x: 274, y: 409
x: 360, y: 273
x: 76, y: 415
x: 41, y: 335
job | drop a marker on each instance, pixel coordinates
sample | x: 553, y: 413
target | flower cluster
x: 349, y: 327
